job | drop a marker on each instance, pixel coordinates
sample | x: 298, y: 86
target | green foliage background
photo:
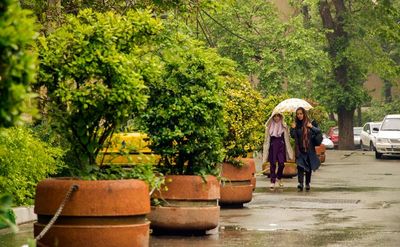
x: 25, y: 160
x: 17, y: 60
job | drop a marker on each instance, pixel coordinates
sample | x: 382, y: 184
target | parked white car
x: 368, y: 135
x: 388, y: 137
x: 357, y: 138
x: 327, y: 142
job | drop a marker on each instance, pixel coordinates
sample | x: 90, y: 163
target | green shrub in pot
x: 94, y: 68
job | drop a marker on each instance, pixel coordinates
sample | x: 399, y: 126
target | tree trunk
x: 332, y: 15
x: 346, y: 135
x: 332, y: 116
x: 387, y: 91
x: 359, y: 116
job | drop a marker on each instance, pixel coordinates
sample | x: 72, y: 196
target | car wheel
x: 378, y: 155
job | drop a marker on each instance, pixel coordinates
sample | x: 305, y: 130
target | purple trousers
x: 276, y: 175
x: 277, y: 154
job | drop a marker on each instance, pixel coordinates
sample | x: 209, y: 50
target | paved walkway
x: 354, y: 201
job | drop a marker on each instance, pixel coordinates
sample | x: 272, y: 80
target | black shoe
x: 308, y: 187
x: 299, y: 187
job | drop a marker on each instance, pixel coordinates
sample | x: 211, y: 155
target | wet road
x: 354, y: 201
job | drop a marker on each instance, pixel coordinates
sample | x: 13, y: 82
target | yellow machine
x: 128, y: 149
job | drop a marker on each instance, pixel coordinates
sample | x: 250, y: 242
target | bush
x: 17, y: 60
x: 244, y: 116
x: 25, y: 160
x: 7, y: 216
x: 184, y: 118
x: 94, y: 68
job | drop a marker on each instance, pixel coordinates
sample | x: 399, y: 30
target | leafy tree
x: 51, y: 13
x: 379, y: 110
x: 273, y: 52
x: 17, y: 60
x: 360, y: 40
x: 94, y: 68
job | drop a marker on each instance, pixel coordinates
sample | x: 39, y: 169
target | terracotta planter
x: 289, y: 171
x: 100, y: 213
x: 188, y: 205
x: 252, y: 164
x: 321, y: 152
x: 238, y: 185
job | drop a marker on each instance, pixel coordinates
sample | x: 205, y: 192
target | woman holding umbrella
x: 302, y: 130
x: 277, y: 148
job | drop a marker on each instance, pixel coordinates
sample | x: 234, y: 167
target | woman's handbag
x: 316, y: 138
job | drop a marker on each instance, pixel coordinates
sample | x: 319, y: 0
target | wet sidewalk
x: 354, y: 201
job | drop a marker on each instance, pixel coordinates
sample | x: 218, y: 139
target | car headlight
x: 382, y: 140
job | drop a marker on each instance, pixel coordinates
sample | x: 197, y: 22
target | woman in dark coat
x: 306, y: 157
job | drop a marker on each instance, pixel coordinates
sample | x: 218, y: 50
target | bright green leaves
x: 17, y: 60
x: 244, y: 115
x: 7, y: 216
x: 94, y: 71
x: 274, y: 52
x: 186, y: 109
x: 25, y: 160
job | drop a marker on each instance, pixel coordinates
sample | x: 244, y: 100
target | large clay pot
x: 321, y: 152
x: 237, y: 186
x: 189, y: 204
x: 100, y: 213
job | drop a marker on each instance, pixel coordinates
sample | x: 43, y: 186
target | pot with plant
x: 244, y: 118
x: 92, y: 69
x: 184, y: 122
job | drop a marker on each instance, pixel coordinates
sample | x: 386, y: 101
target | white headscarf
x: 276, y: 128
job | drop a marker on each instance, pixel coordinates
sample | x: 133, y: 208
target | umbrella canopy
x: 291, y: 105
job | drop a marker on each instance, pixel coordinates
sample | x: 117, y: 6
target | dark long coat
x: 307, y: 159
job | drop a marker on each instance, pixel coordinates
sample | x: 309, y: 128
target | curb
x: 24, y: 215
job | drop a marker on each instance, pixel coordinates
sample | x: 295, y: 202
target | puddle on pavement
x: 232, y: 235
x: 326, y: 189
x: 237, y: 236
x: 16, y: 240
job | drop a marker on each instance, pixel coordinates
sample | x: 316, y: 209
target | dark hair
x: 303, y: 125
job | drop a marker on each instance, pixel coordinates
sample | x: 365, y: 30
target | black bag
x: 317, y: 138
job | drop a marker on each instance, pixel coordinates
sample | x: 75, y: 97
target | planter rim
x: 93, y: 197
x: 189, y: 187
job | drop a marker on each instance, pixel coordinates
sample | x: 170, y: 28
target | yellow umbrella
x: 291, y: 105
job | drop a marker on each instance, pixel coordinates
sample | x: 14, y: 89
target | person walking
x: 276, y: 148
x: 307, y: 161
